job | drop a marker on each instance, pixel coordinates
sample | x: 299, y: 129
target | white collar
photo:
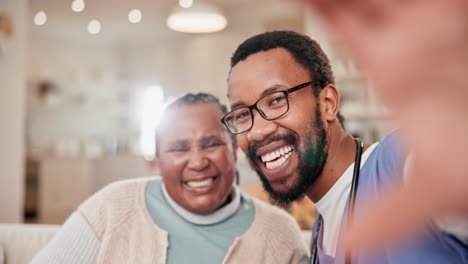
x: 217, y: 216
x: 343, y: 184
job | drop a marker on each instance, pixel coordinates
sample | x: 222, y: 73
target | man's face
x: 288, y: 153
x: 197, y: 158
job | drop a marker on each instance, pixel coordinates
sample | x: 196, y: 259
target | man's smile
x: 277, y: 157
x: 274, y: 159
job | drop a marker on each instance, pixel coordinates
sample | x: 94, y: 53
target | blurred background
x: 82, y: 83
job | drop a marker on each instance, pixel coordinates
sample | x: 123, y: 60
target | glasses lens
x: 239, y: 120
x: 273, y: 105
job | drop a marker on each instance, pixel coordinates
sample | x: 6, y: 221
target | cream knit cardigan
x: 128, y: 234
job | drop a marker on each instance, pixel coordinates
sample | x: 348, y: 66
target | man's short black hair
x: 193, y: 99
x: 305, y: 51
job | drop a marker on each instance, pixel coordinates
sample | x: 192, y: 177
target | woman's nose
x: 198, y: 161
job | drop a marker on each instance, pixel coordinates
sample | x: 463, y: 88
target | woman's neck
x: 227, y: 210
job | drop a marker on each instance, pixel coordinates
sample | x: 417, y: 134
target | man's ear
x: 329, y: 102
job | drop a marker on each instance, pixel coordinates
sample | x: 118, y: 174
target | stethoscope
x: 352, y: 201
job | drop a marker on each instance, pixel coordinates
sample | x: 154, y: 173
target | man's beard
x: 310, y: 167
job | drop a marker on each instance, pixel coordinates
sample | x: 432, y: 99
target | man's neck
x: 341, y: 154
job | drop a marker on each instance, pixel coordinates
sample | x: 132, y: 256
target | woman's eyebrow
x: 207, y: 139
x: 178, y: 142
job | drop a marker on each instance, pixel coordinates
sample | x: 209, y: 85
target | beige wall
x: 12, y: 112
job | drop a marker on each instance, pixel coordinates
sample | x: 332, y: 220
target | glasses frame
x: 254, y: 106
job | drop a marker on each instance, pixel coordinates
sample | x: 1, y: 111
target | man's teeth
x: 278, y: 162
x: 279, y: 156
x: 276, y: 154
x: 203, y: 183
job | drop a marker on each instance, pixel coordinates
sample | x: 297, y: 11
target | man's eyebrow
x: 273, y: 88
x: 237, y: 105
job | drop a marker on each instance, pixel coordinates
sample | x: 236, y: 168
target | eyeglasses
x: 270, y: 107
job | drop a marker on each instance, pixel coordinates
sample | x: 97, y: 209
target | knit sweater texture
x: 128, y: 234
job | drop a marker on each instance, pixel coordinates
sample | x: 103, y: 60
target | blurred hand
x: 416, y: 54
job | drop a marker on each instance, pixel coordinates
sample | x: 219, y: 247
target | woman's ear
x: 330, y: 102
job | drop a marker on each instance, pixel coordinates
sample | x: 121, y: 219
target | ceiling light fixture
x: 134, y: 16
x: 40, y: 18
x: 94, y: 27
x: 78, y: 5
x: 185, y: 3
x: 200, y: 18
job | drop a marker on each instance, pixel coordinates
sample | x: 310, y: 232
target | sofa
x: 20, y: 242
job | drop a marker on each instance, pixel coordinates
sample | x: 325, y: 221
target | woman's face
x: 197, y: 158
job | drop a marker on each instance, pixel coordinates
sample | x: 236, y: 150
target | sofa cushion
x: 22, y: 241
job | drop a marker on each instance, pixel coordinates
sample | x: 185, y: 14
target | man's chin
x: 282, y: 192
x: 284, y: 199
x: 281, y: 187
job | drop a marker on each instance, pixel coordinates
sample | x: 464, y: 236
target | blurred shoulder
x: 278, y: 233
x: 114, y: 203
x: 119, y: 190
x: 274, y: 215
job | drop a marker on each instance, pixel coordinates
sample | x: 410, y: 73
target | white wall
x: 98, y: 84
x: 12, y: 112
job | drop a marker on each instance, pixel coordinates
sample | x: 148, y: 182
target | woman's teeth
x: 202, y: 183
x: 277, y: 158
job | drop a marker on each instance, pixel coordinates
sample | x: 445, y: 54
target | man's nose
x: 198, y: 161
x: 261, y: 128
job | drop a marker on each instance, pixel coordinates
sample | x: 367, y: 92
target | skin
x: 416, y: 54
x: 276, y: 69
x: 197, y: 147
